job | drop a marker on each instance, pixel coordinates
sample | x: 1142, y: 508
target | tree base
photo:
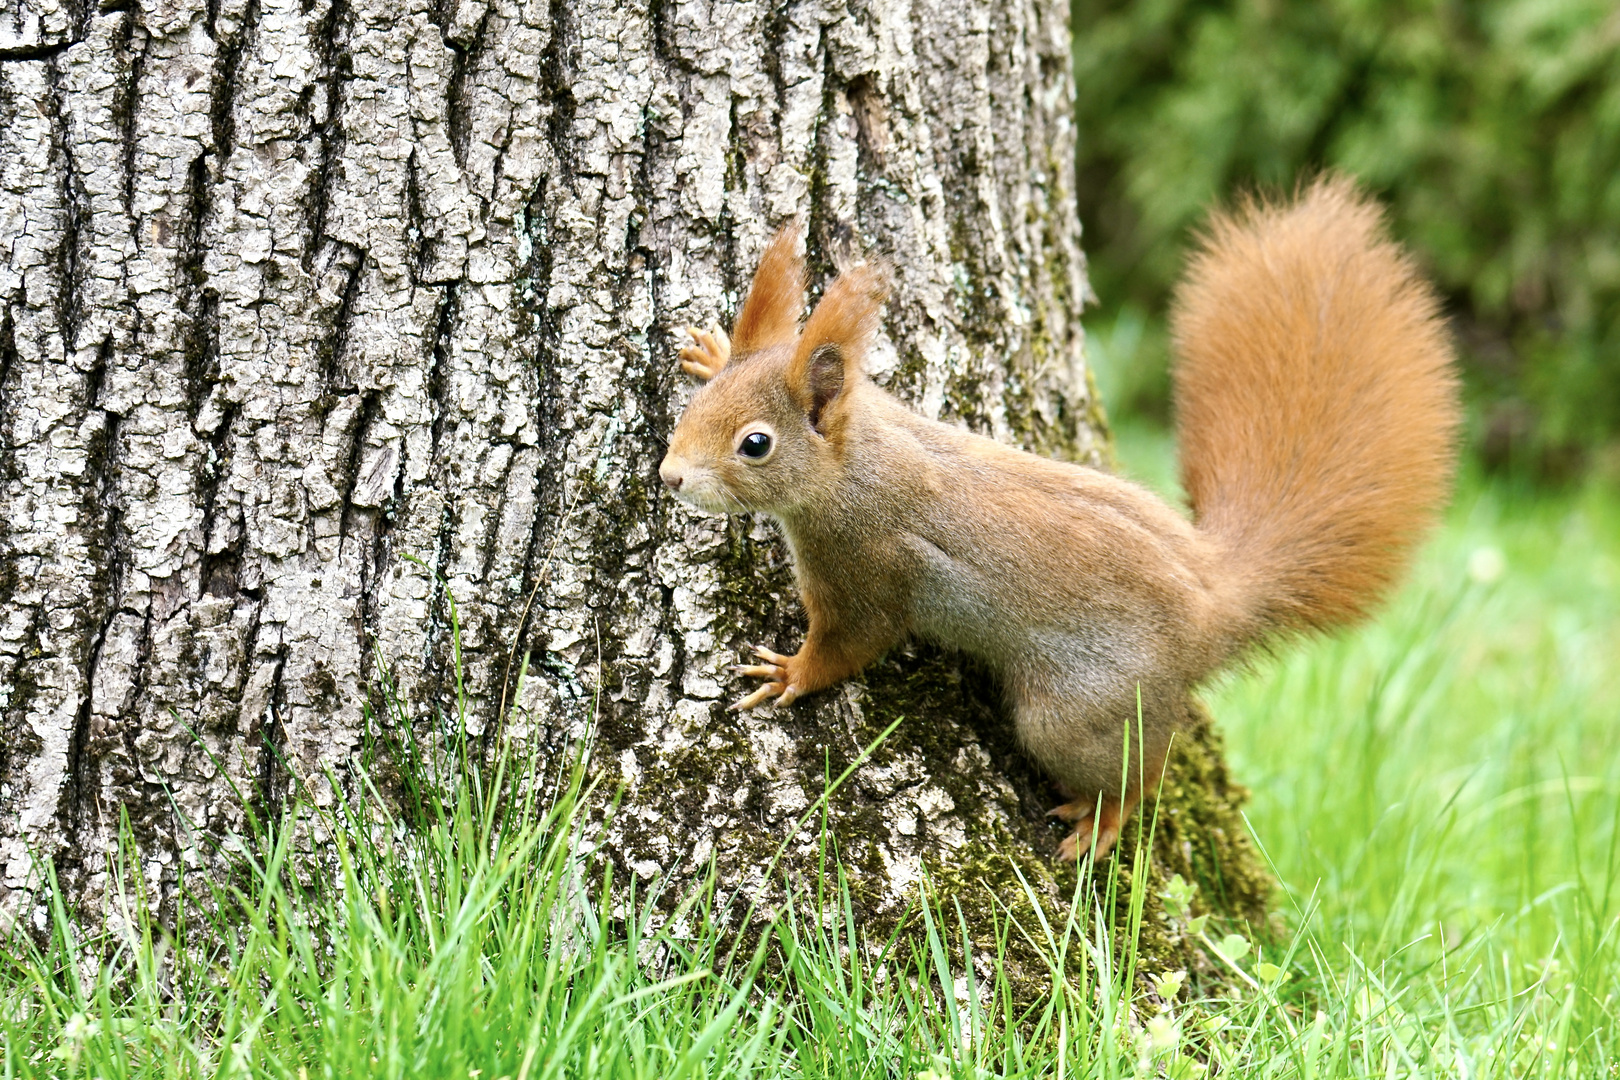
x: 946, y: 807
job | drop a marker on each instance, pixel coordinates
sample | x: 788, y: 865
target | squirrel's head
x: 767, y: 432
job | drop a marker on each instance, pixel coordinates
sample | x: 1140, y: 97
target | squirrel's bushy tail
x: 1315, y: 403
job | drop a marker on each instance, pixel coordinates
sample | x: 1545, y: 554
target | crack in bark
x: 438, y: 380
x: 663, y: 39
x: 8, y: 364
x: 489, y: 549
x: 869, y: 109
x: 824, y: 233
x: 334, y: 346
x: 557, y: 86
x: 81, y: 786
x: 219, y: 572
x: 76, y: 206
x: 274, y: 783
x: 96, y: 377
x: 535, y: 283
x: 437, y: 674
x: 12, y: 714
x: 223, y: 91
x: 198, y: 302
x: 80, y: 793
x: 736, y: 181
x: 337, y: 67
x: 370, y: 409
x: 108, y: 551
x: 532, y: 580
x: 775, y: 29
x: 465, y: 56
x: 418, y: 246
x: 201, y: 352
x: 126, y: 106
x: 372, y: 574
x: 42, y: 51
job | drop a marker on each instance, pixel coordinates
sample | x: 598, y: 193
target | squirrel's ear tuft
x: 833, y: 344
x: 770, y: 315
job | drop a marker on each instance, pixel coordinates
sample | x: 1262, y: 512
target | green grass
x: 1439, y: 793
x: 1440, y: 790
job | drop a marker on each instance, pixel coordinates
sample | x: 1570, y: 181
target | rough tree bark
x: 295, y: 289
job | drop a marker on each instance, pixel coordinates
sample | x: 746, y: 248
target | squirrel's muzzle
x: 671, y: 473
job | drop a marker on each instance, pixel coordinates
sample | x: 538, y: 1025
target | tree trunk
x: 297, y: 294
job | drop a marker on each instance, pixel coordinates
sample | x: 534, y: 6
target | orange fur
x: 847, y: 316
x: 831, y: 350
x: 1317, y: 409
x: 770, y: 315
x: 1315, y: 404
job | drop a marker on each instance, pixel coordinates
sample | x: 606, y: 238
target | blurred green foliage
x: 1491, y: 129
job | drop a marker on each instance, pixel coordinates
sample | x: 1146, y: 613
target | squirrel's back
x: 1316, y: 406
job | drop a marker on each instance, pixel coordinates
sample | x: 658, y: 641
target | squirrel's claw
x: 708, y: 353
x: 771, y: 657
x: 776, y: 669
x: 1099, y: 842
x: 1074, y: 812
x: 1080, y: 841
x: 760, y: 696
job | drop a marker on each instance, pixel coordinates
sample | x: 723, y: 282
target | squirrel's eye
x: 755, y: 445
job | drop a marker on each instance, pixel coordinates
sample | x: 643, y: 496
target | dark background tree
x: 1492, y: 130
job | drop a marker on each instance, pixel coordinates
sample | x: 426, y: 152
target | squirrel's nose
x: 671, y: 474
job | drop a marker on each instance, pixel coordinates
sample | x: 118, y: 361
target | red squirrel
x: 1316, y: 408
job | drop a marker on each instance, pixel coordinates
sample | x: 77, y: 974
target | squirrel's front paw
x: 708, y: 353
x: 778, y: 670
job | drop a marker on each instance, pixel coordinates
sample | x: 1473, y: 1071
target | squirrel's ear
x: 833, y: 344
x: 770, y: 315
x: 822, y: 381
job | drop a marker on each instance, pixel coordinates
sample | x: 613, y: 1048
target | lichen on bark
x: 314, y: 313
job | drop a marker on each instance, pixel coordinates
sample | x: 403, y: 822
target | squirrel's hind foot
x: 1096, y: 827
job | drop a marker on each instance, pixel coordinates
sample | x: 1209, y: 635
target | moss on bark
x: 949, y: 807
x: 1193, y: 828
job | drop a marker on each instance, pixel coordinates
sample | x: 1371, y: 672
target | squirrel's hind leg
x: 1099, y: 820
x: 1086, y: 756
